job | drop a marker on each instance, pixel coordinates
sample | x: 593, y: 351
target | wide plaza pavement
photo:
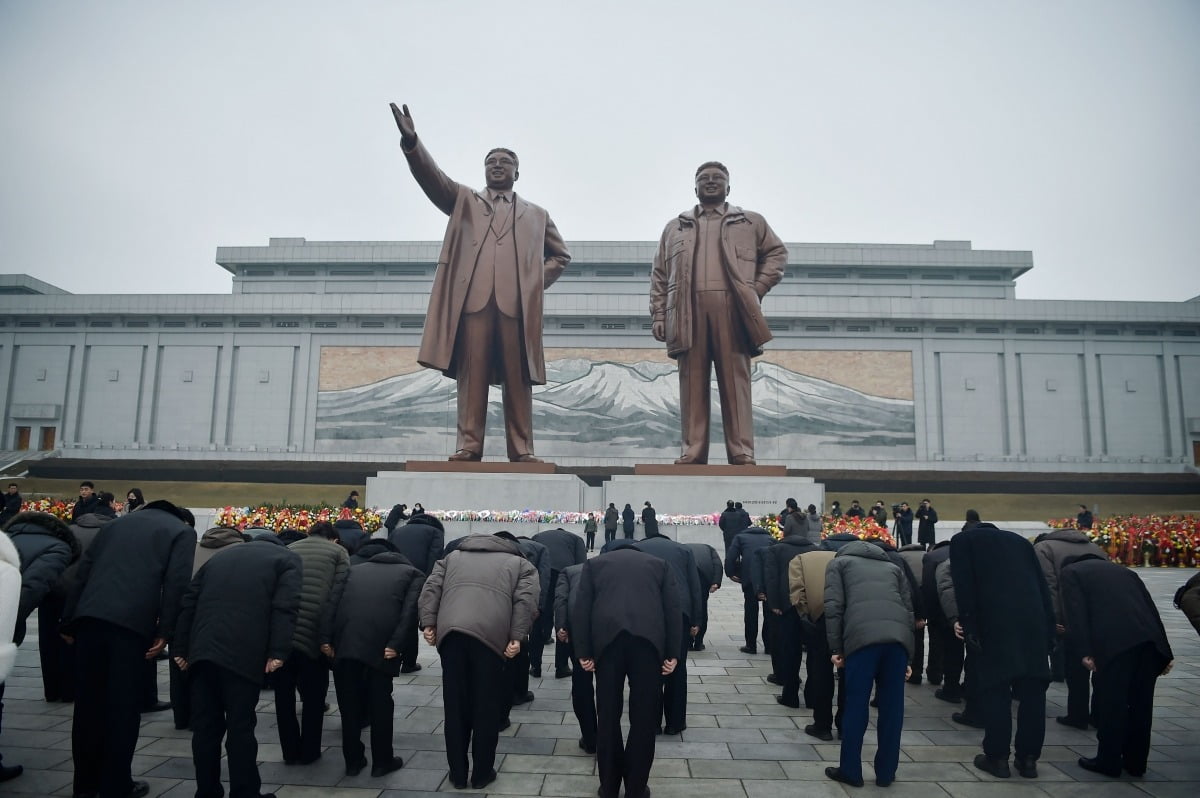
x: 739, y: 742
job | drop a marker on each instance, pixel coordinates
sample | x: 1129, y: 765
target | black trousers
x: 953, y: 655
x: 516, y: 672
x: 819, y: 688
x: 609, y: 534
x: 590, y: 540
x: 409, y: 645
x: 1079, y: 680
x: 750, y: 616
x: 918, y: 658
x: 58, y: 658
x: 632, y: 659
x: 789, y: 648
x: 937, y: 654
x: 994, y: 704
x: 364, y: 694
x: 181, y: 695
x: 470, y: 674
x: 223, y: 704
x: 698, y: 640
x: 104, y: 730
x: 536, y: 644
x: 1125, y: 707
x: 628, y: 529
x: 675, y: 685
x: 301, y: 741
x: 149, y: 683
x: 770, y: 622
x: 583, y: 700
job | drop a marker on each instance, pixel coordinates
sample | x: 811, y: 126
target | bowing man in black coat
x: 421, y: 540
x: 237, y: 622
x: 626, y: 624
x: 120, y: 612
x: 583, y: 691
x: 377, y: 612
x: 563, y: 549
x: 1114, y: 622
x: 1006, y: 619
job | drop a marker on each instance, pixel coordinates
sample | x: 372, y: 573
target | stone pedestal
x: 478, y: 486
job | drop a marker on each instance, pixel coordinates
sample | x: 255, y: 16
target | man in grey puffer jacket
x: 476, y: 607
x: 869, y: 625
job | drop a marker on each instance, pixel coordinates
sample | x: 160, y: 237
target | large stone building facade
x: 885, y: 357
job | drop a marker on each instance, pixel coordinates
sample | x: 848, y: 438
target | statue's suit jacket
x: 541, y: 257
x: 754, y: 259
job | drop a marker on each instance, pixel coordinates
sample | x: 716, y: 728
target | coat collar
x: 519, y: 205
x: 688, y: 217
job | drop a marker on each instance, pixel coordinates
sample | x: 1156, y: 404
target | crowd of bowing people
x: 986, y: 617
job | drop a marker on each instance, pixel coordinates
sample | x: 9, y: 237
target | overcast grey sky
x: 136, y: 137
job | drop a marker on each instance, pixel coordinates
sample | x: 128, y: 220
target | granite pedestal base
x: 511, y: 489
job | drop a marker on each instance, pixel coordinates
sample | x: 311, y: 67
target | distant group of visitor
x: 241, y: 610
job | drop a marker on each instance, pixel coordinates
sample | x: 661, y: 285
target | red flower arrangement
x: 1162, y: 540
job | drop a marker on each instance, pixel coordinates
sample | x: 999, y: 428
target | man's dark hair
x: 86, y: 484
x: 713, y: 164
x: 504, y: 533
x: 973, y: 515
x: 1083, y: 507
x: 506, y: 151
x: 926, y: 500
x: 105, y: 497
x: 12, y: 484
x: 323, y: 529
x: 792, y: 503
x: 186, y: 516
x: 738, y: 505
x: 729, y: 504
x: 812, y: 508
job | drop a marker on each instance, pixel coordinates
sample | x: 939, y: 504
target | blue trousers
x: 881, y: 665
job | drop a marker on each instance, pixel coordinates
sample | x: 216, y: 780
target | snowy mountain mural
x: 606, y: 412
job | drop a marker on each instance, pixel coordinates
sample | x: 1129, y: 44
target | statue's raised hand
x: 404, y: 121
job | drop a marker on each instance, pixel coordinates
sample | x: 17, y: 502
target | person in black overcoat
x: 583, y: 691
x: 626, y: 624
x: 709, y: 567
x: 377, y: 612
x: 421, y: 540
x: 787, y: 637
x: 236, y: 624
x: 691, y: 604
x: 1112, y: 619
x: 563, y: 549
x: 738, y: 560
x: 628, y: 519
x: 1006, y: 620
x: 120, y: 612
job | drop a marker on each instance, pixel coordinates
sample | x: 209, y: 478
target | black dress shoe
x: 949, y: 696
x: 357, y: 767
x: 157, y: 706
x: 458, y: 782
x: 748, y: 650
x: 773, y: 679
x: 813, y: 730
x: 523, y: 699
x: 504, y: 724
x: 837, y: 775
x: 875, y: 702
x: 967, y: 720
x: 478, y: 782
x: 410, y: 667
x: 563, y: 674
x: 10, y: 773
x: 1092, y: 764
x: 793, y: 704
x: 535, y: 673
x: 1026, y: 766
x: 586, y: 746
x: 997, y: 767
x: 387, y: 767
x: 697, y: 647
x: 1067, y: 720
x: 139, y: 789
x: 883, y: 782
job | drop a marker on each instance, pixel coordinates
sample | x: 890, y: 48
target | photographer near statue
x: 715, y: 262
x: 484, y: 323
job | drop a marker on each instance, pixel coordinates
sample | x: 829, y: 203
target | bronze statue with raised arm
x: 484, y: 323
x: 714, y: 264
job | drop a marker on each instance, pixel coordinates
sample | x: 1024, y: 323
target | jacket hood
x: 797, y: 541
x: 1065, y: 535
x: 425, y: 519
x: 618, y: 543
x: 845, y: 536
x: 8, y: 552
x: 165, y: 506
x: 93, y: 520
x: 390, y: 558
x: 481, y: 542
x: 34, y: 523
x: 220, y: 536
x: 861, y: 548
x: 374, y: 546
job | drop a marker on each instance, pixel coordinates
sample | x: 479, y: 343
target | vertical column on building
x: 1175, y: 426
x: 1014, y: 430
x: 8, y: 354
x: 148, y: 391
x: 223, y: 391
x: 310, y: 365
x: 76, y: 374
x: 303, y: 395
x: 929, y: 407
x: 1093, y: 402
